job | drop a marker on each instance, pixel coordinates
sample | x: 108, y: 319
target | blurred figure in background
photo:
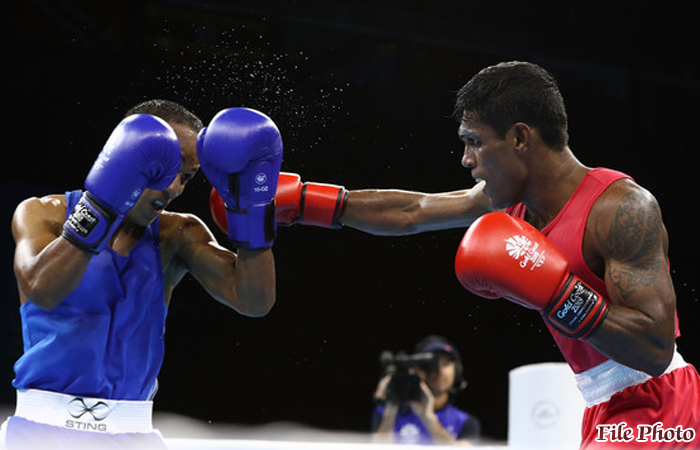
x: 414, y: 398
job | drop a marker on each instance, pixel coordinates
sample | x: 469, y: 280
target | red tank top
x: 566, y: 231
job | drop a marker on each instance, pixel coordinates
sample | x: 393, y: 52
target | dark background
x: 361, y: 91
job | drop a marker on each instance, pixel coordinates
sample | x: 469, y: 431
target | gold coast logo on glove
x: 82, y: 220
x: 522, y: 249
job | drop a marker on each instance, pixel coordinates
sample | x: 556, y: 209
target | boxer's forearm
x: 399, y: 212
x: 636, y: 339
x: 256, y: 281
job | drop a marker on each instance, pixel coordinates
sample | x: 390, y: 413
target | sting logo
x: 96, y: 412
x: 78, y: 408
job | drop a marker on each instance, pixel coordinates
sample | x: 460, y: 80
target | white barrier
x: 234, y: 444
x: 187, y: 434
x: 545, y: 408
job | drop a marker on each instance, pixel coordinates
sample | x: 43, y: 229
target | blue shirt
x: 409, y: 429
x: 106, y: 339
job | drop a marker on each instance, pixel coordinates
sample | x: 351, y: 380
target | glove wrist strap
x: 91, y: 225
x: 254, y: 227
x: 577, y: 311
x: 322, y: 205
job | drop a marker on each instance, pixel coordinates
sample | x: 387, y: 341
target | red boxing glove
x: 316, y: 204
x: 502, y: 256
x: 218, y: 210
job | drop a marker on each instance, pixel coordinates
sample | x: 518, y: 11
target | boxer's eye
x: 472, y: 142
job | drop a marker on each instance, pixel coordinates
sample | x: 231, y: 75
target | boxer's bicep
x: 47, y: 267
x: 631, y: 238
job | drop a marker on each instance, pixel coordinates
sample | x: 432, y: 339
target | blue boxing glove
x: 142, y: 152
x: 240, y: 153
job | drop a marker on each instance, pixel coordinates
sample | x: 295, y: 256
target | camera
x: 404, y: 385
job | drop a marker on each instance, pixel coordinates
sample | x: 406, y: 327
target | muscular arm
x: 47, y: 267
x: 243, y: 281
x: 398, y: 212
x: 630, y: 236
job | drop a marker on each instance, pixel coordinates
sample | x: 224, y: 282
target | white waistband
x: 601, y: 382
x: 84, y: 413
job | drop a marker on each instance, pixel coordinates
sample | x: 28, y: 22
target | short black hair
x: 510, y: 92
x: 169, y: 111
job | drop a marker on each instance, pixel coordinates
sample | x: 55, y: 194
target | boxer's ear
x: 522, y: 135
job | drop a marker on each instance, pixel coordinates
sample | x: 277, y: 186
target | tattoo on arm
x: 632, y: 241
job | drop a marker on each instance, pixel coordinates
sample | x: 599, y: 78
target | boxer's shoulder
x: 47, y: 203
x: 178, y: 229
x: 625, y: 209
x: 47, y: 211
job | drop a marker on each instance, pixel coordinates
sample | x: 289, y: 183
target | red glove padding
x: 218, y: 210
x: 502, y: 256
x: 316, y: 204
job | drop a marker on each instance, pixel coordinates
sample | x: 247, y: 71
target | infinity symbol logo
x: 78, y: 408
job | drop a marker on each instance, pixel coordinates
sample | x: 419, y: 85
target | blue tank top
x: 106, y: 339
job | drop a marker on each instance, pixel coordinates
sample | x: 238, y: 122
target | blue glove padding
x: 240, y: 153
x: 142, y: 152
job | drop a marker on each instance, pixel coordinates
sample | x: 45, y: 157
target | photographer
x: 414, y: 397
